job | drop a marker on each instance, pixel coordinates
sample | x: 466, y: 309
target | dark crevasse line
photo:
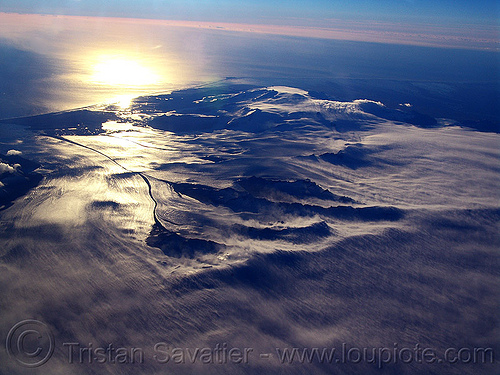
x: 158, y: 223
x: 91, y: 149
x: 150, y: 192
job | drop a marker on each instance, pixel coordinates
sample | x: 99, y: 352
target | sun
x: 120, y: 71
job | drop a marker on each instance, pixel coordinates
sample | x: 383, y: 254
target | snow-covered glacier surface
x: 254, y: 217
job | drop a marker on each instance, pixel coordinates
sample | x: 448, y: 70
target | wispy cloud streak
x: 465, y: 36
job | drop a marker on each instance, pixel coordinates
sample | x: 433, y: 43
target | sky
x: 295, y: 12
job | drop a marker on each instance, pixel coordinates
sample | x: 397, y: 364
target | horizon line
x: 356, y: 31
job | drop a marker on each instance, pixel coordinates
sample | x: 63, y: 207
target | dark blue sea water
x: 451, y: 83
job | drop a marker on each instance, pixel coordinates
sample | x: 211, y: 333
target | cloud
x: 483, y: 38
x: 6, y: 168
x: 378, y: 32
x: 13, y: 152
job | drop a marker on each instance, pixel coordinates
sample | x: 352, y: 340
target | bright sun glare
x: 116, y: 71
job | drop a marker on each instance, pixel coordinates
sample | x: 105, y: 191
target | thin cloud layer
x: 471, y: 37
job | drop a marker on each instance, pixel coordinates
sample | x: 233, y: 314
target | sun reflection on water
x: 122, y: 71
x: 116, y: 77
x: 94, y: 60
x: 123, y: 101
